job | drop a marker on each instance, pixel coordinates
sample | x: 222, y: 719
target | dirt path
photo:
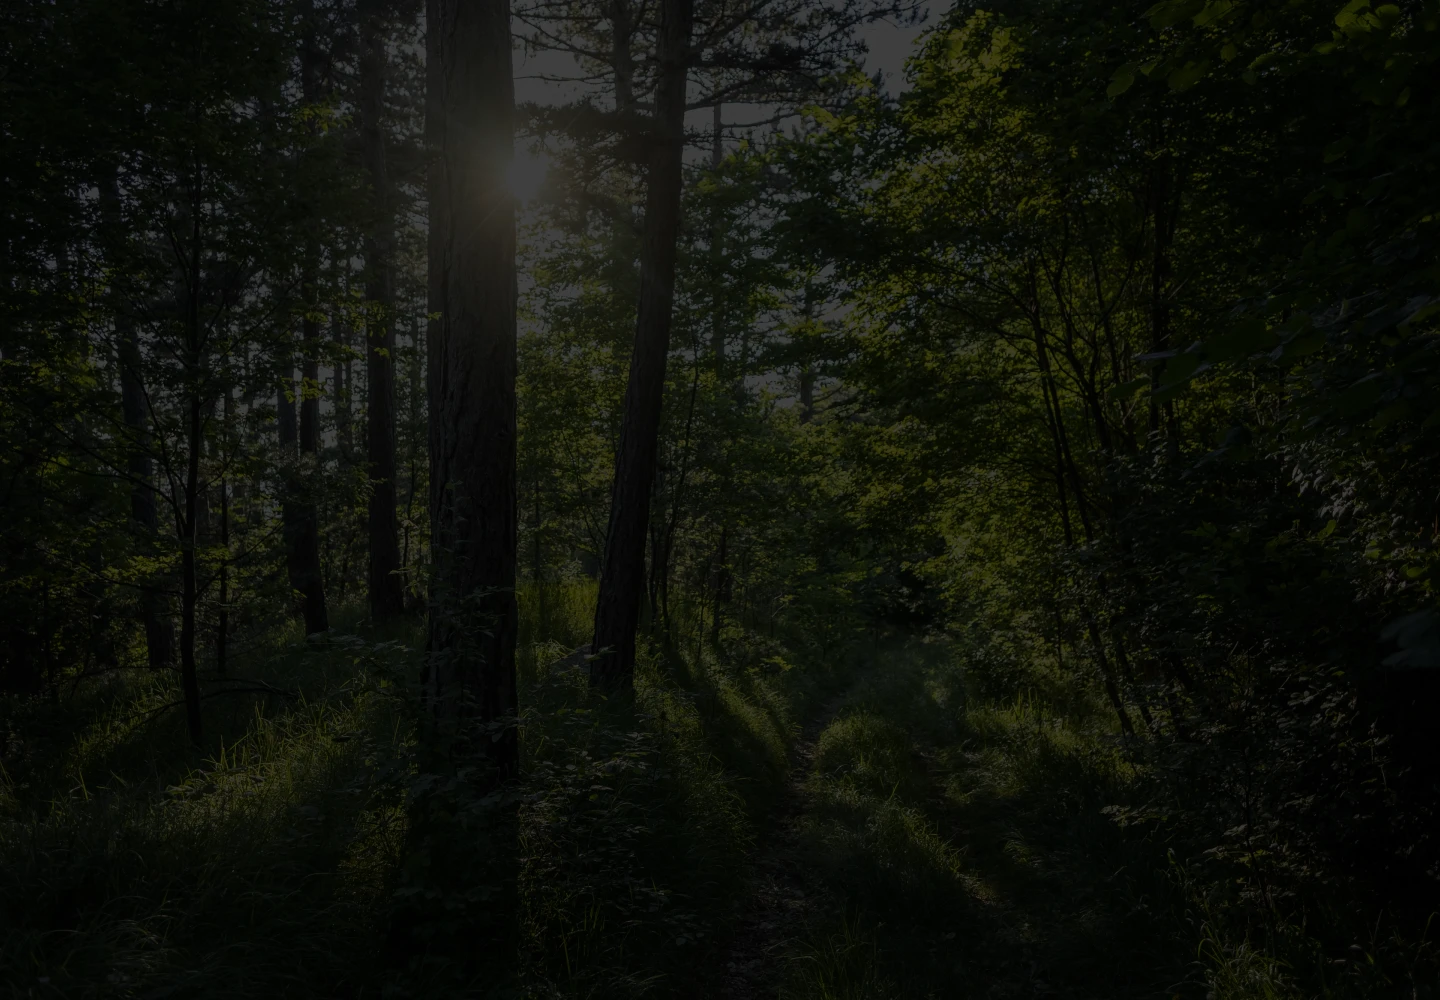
x: 783, y: 896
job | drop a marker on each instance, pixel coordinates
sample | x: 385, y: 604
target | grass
x: 967, y: 841
x: 135, y: 865
x: 951, y: 846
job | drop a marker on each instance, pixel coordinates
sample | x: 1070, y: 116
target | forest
x: 634, y: 498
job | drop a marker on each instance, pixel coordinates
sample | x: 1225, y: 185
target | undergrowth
x: 956, y: 843
x: 969, y: 847
x: 267, y: 864
x: 134, y: 865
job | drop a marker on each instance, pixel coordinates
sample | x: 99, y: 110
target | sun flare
x: 526, y: 175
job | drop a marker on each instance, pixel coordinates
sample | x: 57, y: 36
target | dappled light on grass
x: 631, y: 827
x: 139, y: 880
x: 964, y: 835
x: 944, y: 844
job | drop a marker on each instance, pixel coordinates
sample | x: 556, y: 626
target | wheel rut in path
x: 784, y: 897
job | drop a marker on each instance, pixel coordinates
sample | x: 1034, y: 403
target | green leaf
x: 1361, y: 396
x: 1213, y: 11
x: 1304, y: 343
x: 1127, y: 389
x: 1122, y: 80
x: 1169, y: 13
x: 1249, y: 336
x: 1180, y: 367
x: 1178, y: 372
x: 1420, y: 315
x: 1169, y: 392
x: 1188, y: 75
x: 1418, y: 636
x: 1354, y: 19
x: 1390, y: 414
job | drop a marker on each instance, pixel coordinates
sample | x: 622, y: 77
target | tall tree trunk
x: 1160, y: 196
x: 340, y: 338
x: 717, y: 255
x: 189, y: 587
x: 472, y: 353
x: 301, y: 519
x: 297, y: 513
x: 807, y: 366
x: 677, y: 499
x: 159, y: 635
x: 722, y: 583
x: 469, y: 679
x: 189, y: 521
x: 537, y: 572
x: 622, y: 577
x: 1055, y: 423
x: 222, y: 629
x: 386, y: 597
x: 622, y: 27
x: 227, y: 450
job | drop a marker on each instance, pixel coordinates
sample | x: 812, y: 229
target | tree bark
x: 717, y: 255
x: 189, y: 521
x: 722, y: 583
x: 1159, y: 209
x: 189, y: 586
x: 386, y: 597
x: 298, y: 515
x: 341, y: 336
x: 301, y: 519
x: 222, y: 628
x: 621, y: 30
x: 159, y: 635
x: 470, y: 673
x: 622, y: 577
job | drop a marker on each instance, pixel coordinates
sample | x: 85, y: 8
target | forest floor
x: 851, y: 827
x: 924, y: 847
x: 783, y: 902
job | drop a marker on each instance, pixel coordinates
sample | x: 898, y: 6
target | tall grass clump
x: 139, y: 867
x: 635, y: 820
x: 968, y: 837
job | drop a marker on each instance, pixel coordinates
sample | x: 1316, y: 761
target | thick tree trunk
x: 386, y: 597
x: 472, y: 365
x: 622, y: 577
x: 469, y: 676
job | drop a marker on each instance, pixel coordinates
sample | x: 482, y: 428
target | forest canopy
x: 584, y: 499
